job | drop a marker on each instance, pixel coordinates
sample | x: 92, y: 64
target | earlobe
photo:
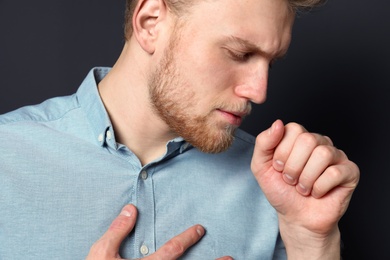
x: 147, y: 15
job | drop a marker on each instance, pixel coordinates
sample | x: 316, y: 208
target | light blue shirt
x: 64, y: 178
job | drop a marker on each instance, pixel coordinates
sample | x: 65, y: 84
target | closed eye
x: 239, y: 56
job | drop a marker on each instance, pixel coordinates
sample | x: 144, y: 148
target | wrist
x: 302, y: 243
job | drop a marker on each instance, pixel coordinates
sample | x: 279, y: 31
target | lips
x: 233, y: 117
x: 238, y: 114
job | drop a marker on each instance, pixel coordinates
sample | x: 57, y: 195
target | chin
x: 216, y: 143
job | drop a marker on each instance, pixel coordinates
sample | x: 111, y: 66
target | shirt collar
x: 89, y: 99
x: 178, y: 144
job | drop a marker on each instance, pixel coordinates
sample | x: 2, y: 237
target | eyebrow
x: 253, y: 47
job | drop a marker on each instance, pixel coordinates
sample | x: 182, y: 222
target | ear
x: 147, y: 16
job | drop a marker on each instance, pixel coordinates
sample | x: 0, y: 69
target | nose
x: 253, y: 84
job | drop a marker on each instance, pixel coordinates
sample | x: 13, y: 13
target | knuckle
x: 318, y: 189
x: 328, y: 139
x: 294, y: 127
x: 306, y: 180
x: 355, y: 173
x: 342, y: 154
x: 334, y: 172
x: 355, y: 168
x: 324, y: 151
x: 174, y: 246
x: 282, y: 152
x: 292, y: 169
x: 308, y: 139
x: 119, y: 224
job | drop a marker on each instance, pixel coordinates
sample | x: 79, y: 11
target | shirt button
x: 101, y: 138
x: 144, y: 175
x: 144, y: 250
x: 109, y: 135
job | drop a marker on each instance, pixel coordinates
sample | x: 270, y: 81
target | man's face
x: 215, y: 65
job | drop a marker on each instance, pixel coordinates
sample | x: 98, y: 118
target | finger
x: 266, y: 142
x: 322, y: 157
x: 225, y: 258
x: 108, y: 245
x: 284, y: 148
x: 303, y: 147
x: 176, y: 247
x: 344, y: 175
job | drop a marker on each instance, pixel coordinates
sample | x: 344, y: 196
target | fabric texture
x: 64, y: 178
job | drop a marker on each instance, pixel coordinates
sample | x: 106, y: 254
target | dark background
x: 333, y: 81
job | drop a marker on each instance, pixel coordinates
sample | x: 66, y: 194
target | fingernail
x: 126, y: 213
x: 200, y: 231
x: 278, y: 165
x: 302, y: 189
x: 289, y: 179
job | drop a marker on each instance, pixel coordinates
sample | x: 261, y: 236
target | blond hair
x: 180, y: 6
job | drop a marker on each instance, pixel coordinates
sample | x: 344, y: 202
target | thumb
x: 266, y: 142
x: 107, y: 246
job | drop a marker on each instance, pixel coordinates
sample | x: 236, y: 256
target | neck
x: 125, y: 94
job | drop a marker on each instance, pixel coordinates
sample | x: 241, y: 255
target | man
x: 159, y: 131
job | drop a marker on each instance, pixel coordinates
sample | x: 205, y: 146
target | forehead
x: 264, y: 22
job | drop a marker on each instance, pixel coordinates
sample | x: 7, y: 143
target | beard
x: 174, y: 100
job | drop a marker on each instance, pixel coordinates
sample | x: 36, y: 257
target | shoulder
x: 50, y: 110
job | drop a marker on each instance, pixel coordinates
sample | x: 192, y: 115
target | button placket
x: 144, y: 235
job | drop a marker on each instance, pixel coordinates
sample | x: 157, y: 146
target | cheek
x: 212, y: 76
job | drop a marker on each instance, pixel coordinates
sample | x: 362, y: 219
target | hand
x: 107, y: 247
x: 305, y: 178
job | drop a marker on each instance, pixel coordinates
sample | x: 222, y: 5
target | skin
x: 308, y: 216
x: 221, y: 70
x: 209, y: 75
x: 107, y: 247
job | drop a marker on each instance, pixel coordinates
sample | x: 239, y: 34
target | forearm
x: 301, y: 244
